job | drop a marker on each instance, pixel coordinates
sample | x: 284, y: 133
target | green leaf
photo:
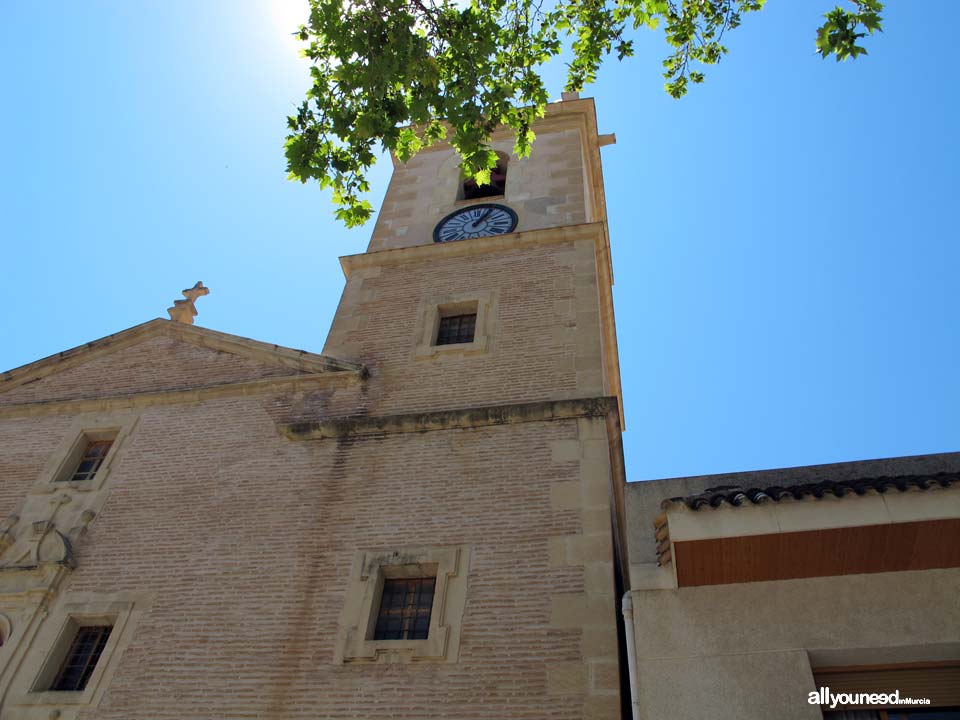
x: 406, y: 74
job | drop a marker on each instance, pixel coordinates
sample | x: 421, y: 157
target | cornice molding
x: 366, y: 426
x: 293, y: 383
x: 477, y: 246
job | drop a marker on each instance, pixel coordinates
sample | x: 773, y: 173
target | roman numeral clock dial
x: 475, y: 221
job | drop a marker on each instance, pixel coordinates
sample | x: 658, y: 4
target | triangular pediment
x: 158, y: 356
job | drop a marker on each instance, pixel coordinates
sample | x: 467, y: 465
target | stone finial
x: 185, y: 310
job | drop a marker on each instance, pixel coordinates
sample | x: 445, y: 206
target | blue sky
x: 784, y: 238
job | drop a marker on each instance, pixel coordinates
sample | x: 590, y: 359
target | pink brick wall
x: 247, y: 539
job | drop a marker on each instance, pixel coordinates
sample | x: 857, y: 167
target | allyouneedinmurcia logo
x: 824, y: 697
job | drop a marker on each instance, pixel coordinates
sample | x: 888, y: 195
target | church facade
x: 430, y: 517
x: 424, y: 520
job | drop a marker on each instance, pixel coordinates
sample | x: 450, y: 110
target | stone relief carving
x: 28, y: 545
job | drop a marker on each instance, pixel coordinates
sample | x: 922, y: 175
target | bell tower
x: 534, y: 260
x: 482, y: 451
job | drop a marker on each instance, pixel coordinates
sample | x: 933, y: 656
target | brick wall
x: 544, y: 343
x: 247, y: 538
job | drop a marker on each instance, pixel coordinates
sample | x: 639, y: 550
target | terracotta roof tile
x: 738, y: 496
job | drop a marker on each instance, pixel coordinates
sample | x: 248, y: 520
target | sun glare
x: 288, y: 15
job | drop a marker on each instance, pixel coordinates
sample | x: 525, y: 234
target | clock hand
x: 483, y: 215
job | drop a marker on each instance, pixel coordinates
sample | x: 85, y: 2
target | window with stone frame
x: 87, y: 452
x: 404, y: 605
x: 88, y: 458
x: 456, y: 325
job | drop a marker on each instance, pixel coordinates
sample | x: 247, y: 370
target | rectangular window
x: 456, y: 329
x: 91, y: 460
x: 81, y: 658
x: 405, y: 607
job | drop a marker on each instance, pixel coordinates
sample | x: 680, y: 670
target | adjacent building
x: 749, y: 591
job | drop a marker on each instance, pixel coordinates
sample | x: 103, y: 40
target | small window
x: 90, y: 461
x: 456, y: 329
x: 471, y: 190
x: 81, y: 658
x: 405, y: 607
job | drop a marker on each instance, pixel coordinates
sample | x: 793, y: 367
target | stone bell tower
x: 533, y: 260
x: 489, y: 427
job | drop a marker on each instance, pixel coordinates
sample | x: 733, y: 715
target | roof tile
x: 737, y: 496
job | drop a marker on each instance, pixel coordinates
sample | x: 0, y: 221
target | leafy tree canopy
x: 408, y: 73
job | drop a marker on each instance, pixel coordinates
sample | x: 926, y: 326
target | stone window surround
x: 433, y: 307
x: 46, y: 653
x: 62, y: 648
x: 362, y: 600
x: 115, y: 426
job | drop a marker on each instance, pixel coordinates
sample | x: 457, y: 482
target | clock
x: 474, y: 222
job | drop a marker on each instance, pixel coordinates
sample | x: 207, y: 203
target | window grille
x: 456, y: 329
x: 91, y: 460
x: 82, y: 658
x: 405, y: 607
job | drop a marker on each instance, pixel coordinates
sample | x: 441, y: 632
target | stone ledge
x: 186, y: 395
x: 352, y: 426
x: 431, y: 252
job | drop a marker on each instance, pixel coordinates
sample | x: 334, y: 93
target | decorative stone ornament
x: 185, y: 310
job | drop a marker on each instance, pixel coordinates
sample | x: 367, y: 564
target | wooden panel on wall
x: 815, y: 553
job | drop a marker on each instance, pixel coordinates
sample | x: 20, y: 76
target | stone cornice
x: 360, y: 426
x: 201, y: 337
x: 292, y: 383
x: 478, y: 246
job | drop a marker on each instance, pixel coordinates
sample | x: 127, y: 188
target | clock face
x: 474, y: 222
